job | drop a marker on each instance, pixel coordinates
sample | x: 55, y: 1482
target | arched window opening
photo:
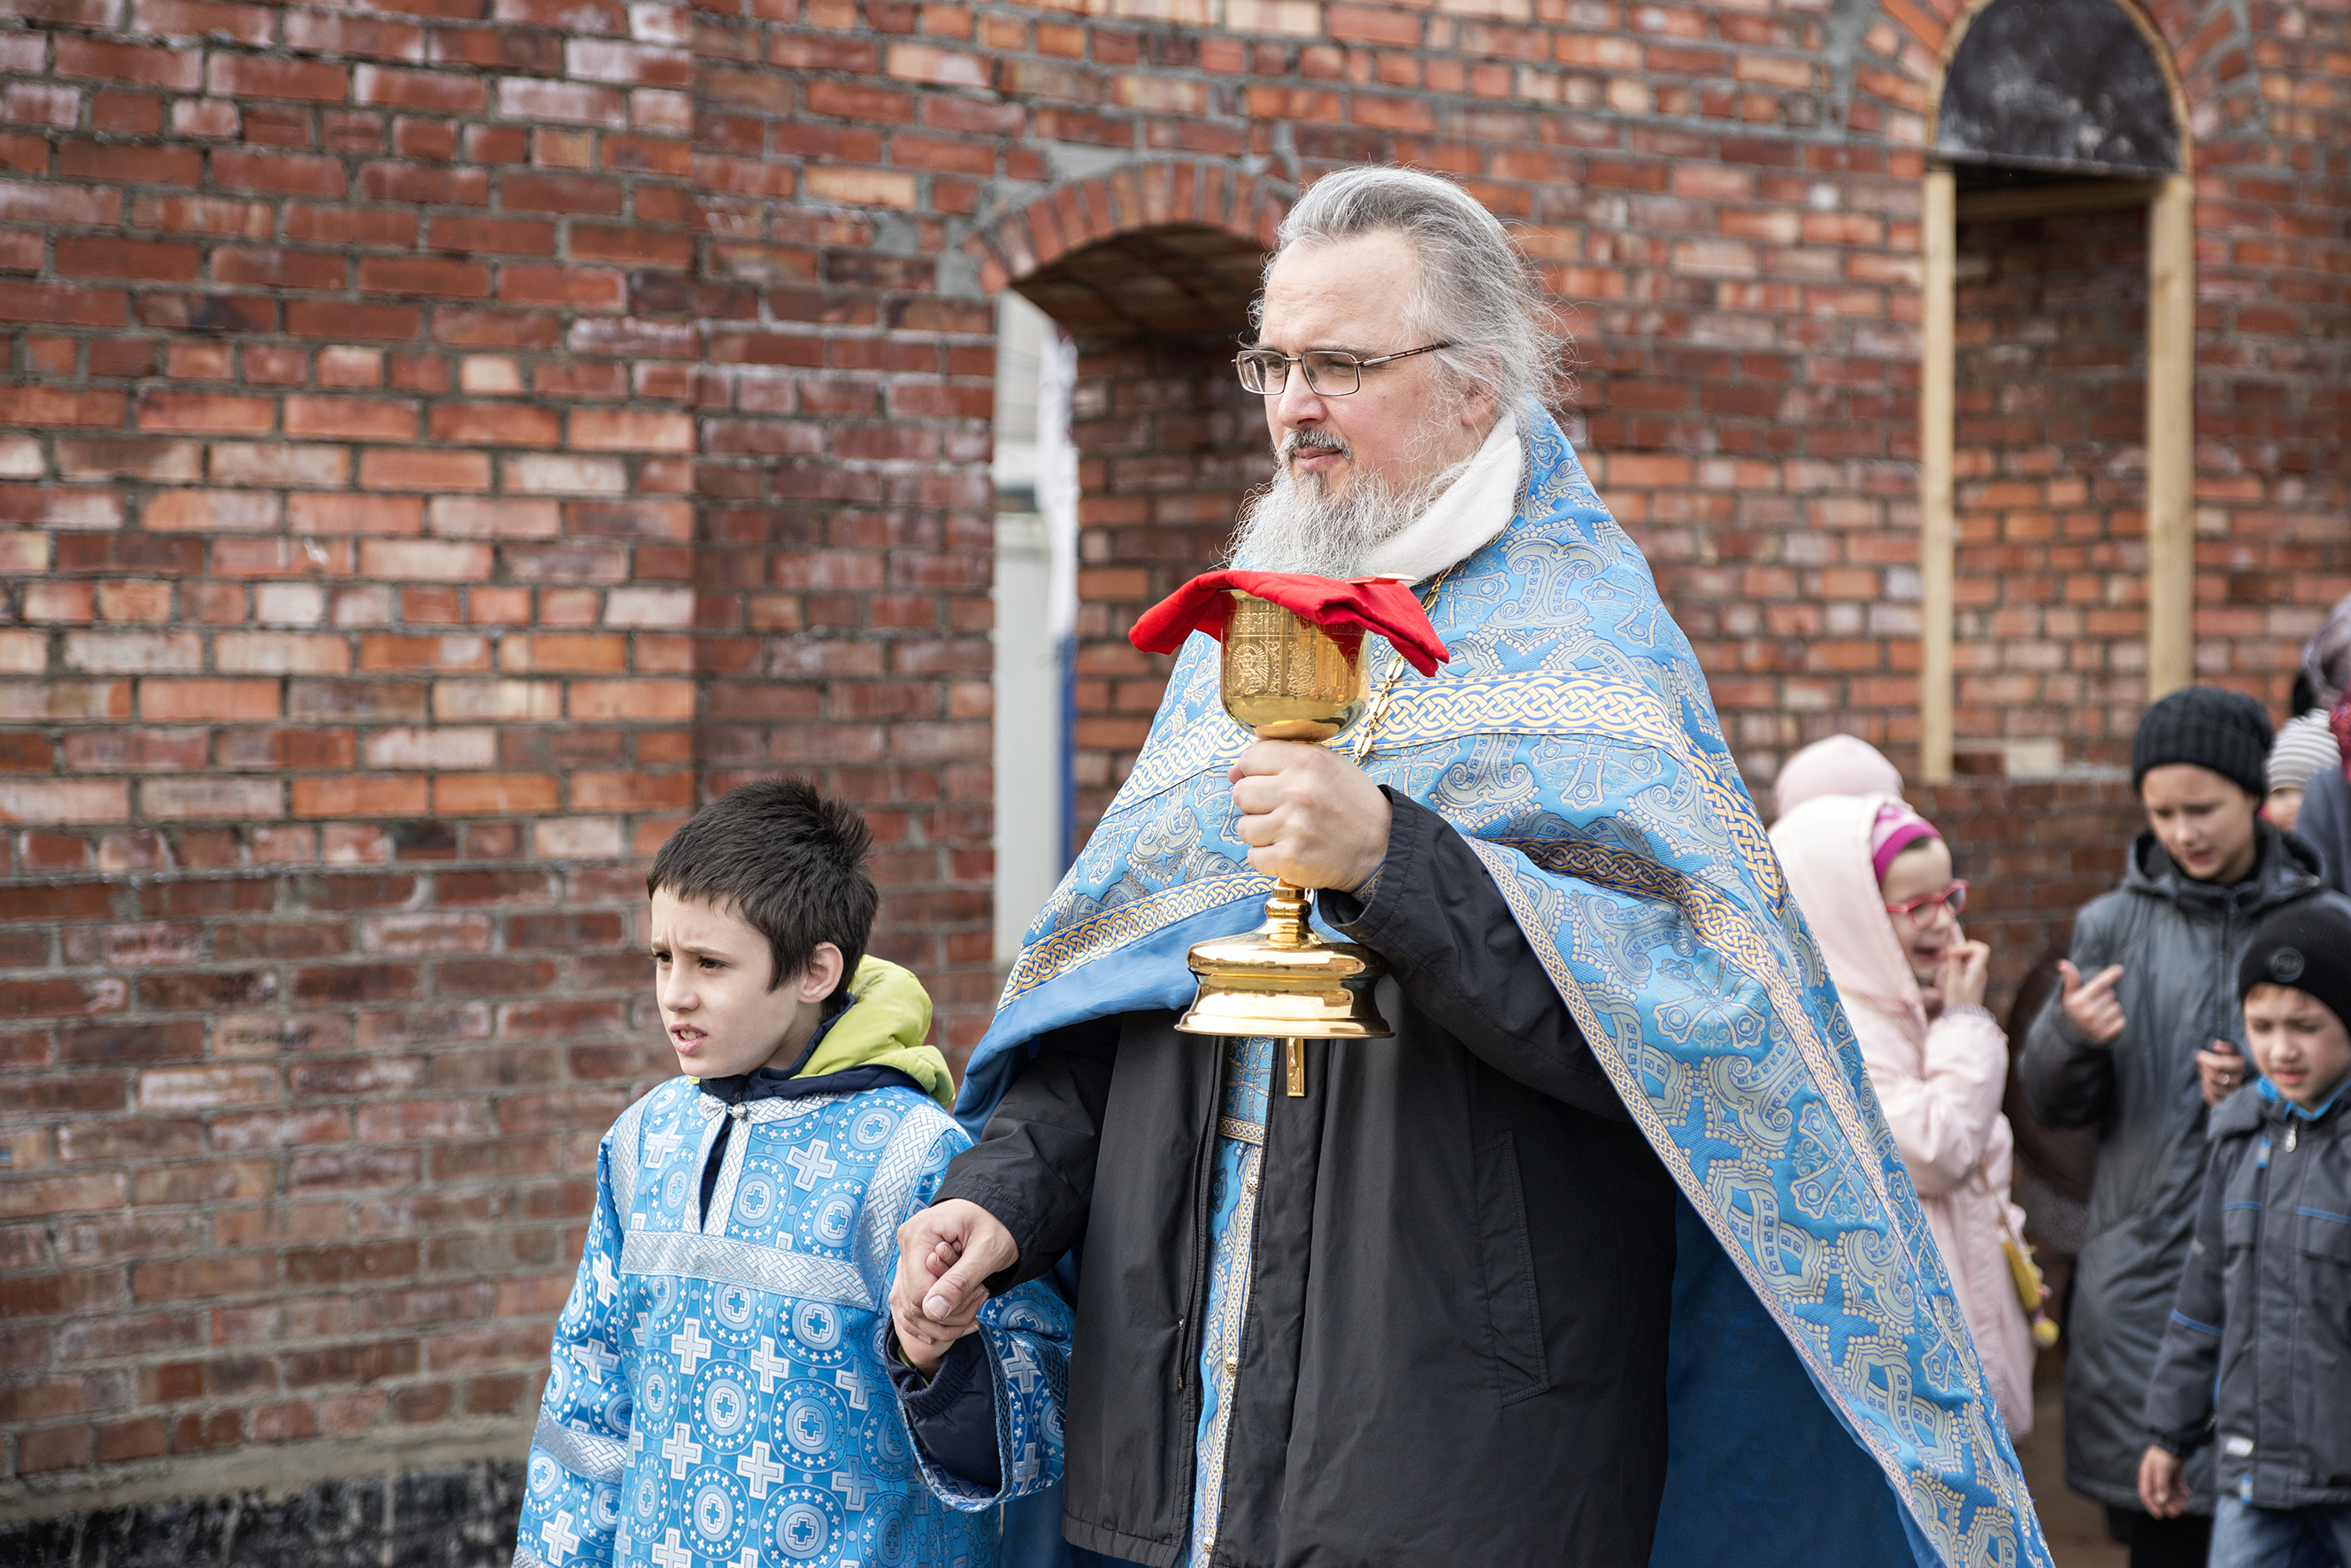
x: 2056, y: 368
x: 2061, y: 87
x: 1161, y: 446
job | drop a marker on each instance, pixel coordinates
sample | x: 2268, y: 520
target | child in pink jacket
x: 1873, y: 881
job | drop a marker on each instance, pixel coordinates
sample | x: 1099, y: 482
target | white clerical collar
x: 1465, y: 519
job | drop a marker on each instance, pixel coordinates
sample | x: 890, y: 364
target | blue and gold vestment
x: 1823, y: 1394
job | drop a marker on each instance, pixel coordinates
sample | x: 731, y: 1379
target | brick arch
x: 1147, y: 194
x: 1150, y: 268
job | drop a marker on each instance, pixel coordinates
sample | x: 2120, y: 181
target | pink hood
x: 1823, y: 845
x: 1841, y: 765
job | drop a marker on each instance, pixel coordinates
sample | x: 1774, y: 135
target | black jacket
x: 2178, y: 942
x: 2265, y: 1302
x: 1455, y: 1342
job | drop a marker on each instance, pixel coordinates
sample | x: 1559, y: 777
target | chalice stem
x: 1294, y: 1065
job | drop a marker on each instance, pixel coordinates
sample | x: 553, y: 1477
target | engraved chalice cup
x: 1287, y: 679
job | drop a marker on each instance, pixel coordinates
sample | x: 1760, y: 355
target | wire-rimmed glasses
x: 1330, y: 373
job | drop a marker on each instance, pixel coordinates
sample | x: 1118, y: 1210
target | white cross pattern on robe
x: 768, y: 1364
x: 803, y: 1530
x: 1021, y: 1368
x: 690, y: 1347
x: 854, y: 1380
x: 758, y: 1471
x: 600, y: 1271
x: 681, y: 1450
x: 851, y: 1484
x: 750, y: 1558
x: 661, y: 1145
x: 670, y: 1554
x: 813, y: 1426
x: 812, y: 1165
x: 559, y: 1534
x: 599, y: 1360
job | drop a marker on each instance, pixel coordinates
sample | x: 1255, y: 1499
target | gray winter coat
x: 2178, y: 942
x: 2326, y: 823
x: 2266, y: 1301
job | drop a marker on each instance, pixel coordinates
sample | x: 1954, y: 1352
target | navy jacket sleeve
x: 953, y: 1415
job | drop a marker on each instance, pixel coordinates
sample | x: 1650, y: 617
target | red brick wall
x: 439, y: 442
x: 2050, y: 487
x: 2273, y: 334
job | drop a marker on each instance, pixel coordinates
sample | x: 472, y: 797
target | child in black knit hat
x: 2265, y: 1300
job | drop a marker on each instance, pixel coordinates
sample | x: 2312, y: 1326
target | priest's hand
x: 1309, y: 815
x: 946, y: 1253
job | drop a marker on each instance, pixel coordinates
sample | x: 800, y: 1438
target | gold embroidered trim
x: 1113, y: 928
x: 1241, y: 1132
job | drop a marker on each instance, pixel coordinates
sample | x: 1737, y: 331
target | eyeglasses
x: 1956, y: 895
x: 1329, y: 373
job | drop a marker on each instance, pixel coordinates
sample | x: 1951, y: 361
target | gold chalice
x: 1287, y: 679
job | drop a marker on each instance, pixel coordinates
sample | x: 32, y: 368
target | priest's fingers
x: 1309, y: 815
x: 1267, y: 758
x: 945, y: 1254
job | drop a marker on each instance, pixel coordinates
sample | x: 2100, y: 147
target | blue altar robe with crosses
x: 718, y: 1394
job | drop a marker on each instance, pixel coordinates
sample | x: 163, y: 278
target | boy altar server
x: 719, y: 1391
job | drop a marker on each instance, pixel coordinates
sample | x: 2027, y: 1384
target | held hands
x: 946, y: 1253
x: 2091, y: 1007
x: 2218, y: 1071
x: 2162, y: 1482
x: 1309, y: 815
x: 1965, y: 966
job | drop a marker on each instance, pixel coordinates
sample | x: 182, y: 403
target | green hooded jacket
x: 889, y: 1015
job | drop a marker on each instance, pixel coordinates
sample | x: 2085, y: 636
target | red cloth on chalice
x: 1343, y: 610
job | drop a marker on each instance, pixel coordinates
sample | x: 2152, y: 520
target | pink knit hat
x: 1897, y: 829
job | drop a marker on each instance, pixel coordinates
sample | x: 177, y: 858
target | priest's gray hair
x: 1477, y: 290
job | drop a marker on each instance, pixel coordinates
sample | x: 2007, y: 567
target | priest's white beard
x: 1294, y: 525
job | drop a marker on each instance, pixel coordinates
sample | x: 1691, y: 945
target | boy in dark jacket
x: 2266, y: 1297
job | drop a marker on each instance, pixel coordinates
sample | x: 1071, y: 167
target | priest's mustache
x: 1313, y: 440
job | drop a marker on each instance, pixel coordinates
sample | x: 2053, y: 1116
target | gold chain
x: 1387, y: 688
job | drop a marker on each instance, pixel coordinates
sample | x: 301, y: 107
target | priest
x: 1606, y: 1258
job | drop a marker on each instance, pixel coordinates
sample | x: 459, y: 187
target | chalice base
x: 1284, y: 981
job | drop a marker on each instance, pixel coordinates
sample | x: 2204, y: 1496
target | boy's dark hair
x: 789, y: 863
